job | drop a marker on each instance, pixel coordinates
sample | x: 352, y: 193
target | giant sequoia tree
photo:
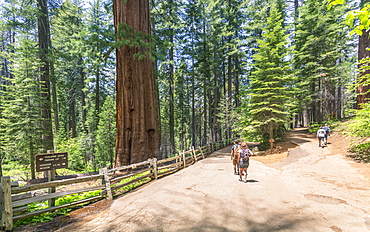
x: 363, y: 89
x: 44, y: 45
x: 138, y: 136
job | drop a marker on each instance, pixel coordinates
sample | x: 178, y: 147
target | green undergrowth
x: 59, y: 201
x: 361, y: 152
x: 136, y: 184
x: 357, y: 130
x: 73, y: 198
x: 133, y: 185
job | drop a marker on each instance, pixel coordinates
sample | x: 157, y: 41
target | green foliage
x: 20, y: 96
x: 16, y: 170
x: 133, y: 185
x: 321, y: 40
x: 361, y: 152
x: 75, y: 152
x: 360, y: 126
x: 363, y: 77
x: 271, y: 85
x: 332, y: 3
x: 106, y: 135
x: 229, y: 117
x: 126, y: 36
x: 59, y: 201
x: 361, y: 16
x: 314, y: 127
x: 80, y: 152
x: 247, y: 131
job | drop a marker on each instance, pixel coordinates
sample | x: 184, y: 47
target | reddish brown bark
x: 363, y: 44
x: 44, y: 45
x: 138, y: 136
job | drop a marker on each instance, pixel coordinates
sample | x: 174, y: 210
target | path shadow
x: 252, y: 181
x: 298, y: 136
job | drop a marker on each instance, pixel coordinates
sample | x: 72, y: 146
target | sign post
x: 271, y: 143
x: 50, y: 162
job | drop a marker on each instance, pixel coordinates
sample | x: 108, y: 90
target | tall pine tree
x: 271, y: 91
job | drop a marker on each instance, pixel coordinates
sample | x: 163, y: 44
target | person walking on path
x: 321, y: 136
x: 327, y: 130
x: 235, y: 156
x: 245, y: 153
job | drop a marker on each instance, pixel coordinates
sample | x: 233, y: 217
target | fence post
x: 7, y: 208
x: 51, y: 177
x: 106, y: 181
x: 183, y: 159
x: 153, y: 163
x: 201, y: 152
x: 194, y: 155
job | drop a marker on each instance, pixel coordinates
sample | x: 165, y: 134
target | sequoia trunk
x: 363, y: 45
x: 138, y: 136
x: 44, y: 44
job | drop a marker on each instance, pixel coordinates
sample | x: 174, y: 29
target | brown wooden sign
x: 51, y: 161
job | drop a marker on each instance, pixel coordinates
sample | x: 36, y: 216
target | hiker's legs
x: 236, y: 166
x: 322, y: 142
x: 241, y: 174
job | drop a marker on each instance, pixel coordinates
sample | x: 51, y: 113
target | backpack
x: 236, y: 148
x: 245, y: 154
x: 321, y: 133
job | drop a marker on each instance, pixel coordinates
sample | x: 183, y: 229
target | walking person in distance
x: 321, y: 137
x: 245, y: 153
x: 327, y: 130
x: 235, y: 156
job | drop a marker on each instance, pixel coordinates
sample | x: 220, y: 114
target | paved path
x: 312, y: 190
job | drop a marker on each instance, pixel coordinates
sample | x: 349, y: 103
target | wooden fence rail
x: 14, y: 200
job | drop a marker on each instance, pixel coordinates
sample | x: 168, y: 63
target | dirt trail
x: 314, y: 189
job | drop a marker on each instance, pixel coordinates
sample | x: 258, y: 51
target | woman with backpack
x: 245, y: 153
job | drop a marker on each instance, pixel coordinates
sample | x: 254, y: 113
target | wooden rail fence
x: 14, y: 199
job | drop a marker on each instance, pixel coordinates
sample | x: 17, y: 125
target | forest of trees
x: 116, y: 82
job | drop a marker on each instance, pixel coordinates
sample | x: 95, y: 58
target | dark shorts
x: 235, y: 162
x: 244, y: 164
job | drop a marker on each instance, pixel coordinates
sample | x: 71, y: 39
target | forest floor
x: 299, y: 187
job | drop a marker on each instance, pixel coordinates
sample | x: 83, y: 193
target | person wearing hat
x: 245, y: 153
x: 235, y: 156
